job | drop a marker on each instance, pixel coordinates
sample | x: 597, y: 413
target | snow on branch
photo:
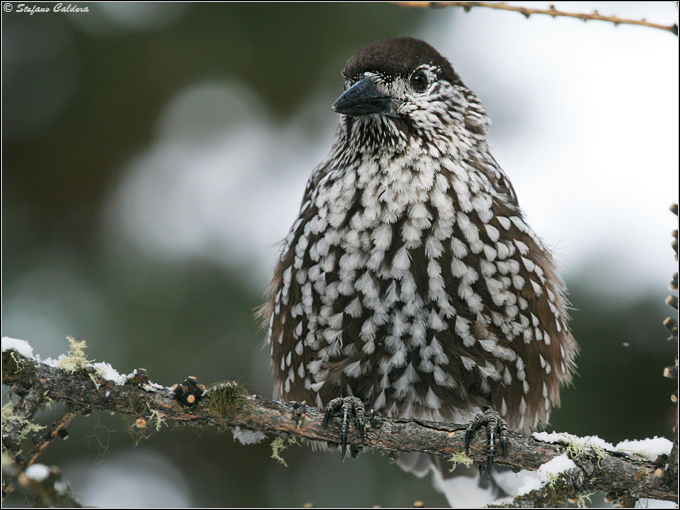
x: 584, y: 464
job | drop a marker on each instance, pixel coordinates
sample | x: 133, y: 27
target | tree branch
x: 672, y: 327
x: 594, y: 16
x: 228, y: 405
x: 41, y: 483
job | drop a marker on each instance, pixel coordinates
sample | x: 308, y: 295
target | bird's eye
x: 419, y: 81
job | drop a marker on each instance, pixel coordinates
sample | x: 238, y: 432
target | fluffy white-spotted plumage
x: 410, y: 278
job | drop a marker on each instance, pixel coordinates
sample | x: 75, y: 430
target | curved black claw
x: 494, y: 424
x: 347, y: 406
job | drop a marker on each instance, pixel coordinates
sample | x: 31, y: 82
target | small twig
x: 22, y: 413
x: 672, y: 370
x: 43, y: 484
x: 58, y: 429
x: 594, y: 16
x: 18, y: 425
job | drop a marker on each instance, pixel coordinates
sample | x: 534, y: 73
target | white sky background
x: 595, y: 164
x: 585, y: 125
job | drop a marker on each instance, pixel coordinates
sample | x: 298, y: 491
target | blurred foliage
x: 280, y: 50
x: 185, y: 318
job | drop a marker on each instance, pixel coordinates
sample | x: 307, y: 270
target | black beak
x: 363, y: 98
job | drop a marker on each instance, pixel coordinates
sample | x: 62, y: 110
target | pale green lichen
x: 13, y: 363
x: 278, y: 445
x: 576, y: 449
x: 156, y: 419
x: 75, y: 358
x: 581, y: 500
x: 7, y: 413
x: 552, y: 480
x: 27, y: 426
x: 460, y: 458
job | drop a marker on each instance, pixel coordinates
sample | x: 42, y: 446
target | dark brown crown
x: 397, y: 56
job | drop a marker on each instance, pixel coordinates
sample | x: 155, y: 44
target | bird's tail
x: 464, y: 487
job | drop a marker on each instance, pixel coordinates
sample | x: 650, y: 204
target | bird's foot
x: 495, y: 425
x: 348, y: 406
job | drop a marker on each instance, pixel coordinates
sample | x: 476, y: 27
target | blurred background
x: 154, y: 153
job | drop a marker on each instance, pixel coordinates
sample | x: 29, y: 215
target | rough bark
x: 228, y: 405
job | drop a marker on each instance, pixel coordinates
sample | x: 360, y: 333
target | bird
x: 410, y: 282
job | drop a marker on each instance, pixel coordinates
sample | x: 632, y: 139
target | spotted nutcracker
x: 410, y: 282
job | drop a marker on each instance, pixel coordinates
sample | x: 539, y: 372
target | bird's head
x: 396, y: 77
x: 405, y: 83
